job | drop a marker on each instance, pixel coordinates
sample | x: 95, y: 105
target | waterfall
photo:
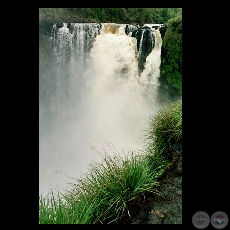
x: 95, y: 96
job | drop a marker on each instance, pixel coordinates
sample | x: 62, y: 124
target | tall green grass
x: 58, y: 210
x: 165, y: 130
x: 105, y: 193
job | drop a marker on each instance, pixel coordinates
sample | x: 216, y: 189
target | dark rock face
x: 145, y: 40
x: 45, y: 27
x: 145, y: 44
x: 59, y: 25
x: 162, y: 30
x: 156, y: 27
x: 130, y: 28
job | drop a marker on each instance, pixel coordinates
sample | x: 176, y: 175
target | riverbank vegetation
x: 106, y: 193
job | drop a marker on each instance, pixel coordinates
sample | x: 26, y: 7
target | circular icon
x: 219, y: 220
x: 201, y: 220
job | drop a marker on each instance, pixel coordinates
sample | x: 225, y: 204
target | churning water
x: 93, y: 97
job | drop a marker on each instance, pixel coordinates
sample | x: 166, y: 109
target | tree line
x: 112, y: 15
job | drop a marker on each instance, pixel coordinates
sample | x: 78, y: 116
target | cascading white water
x: 100, y: 100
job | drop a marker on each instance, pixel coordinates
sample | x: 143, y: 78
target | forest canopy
x: 113, y: 15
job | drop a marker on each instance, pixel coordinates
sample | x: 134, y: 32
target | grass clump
x: 114, y: 183
x: 59, y: 210
x: 165, y: 130
x: 105, y: 194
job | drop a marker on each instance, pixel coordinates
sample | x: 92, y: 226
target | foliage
x: 171, y: 59
x: 116, y: 181
x: 56, y: 210
x: 115, y: 15
x: 165, y: 131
